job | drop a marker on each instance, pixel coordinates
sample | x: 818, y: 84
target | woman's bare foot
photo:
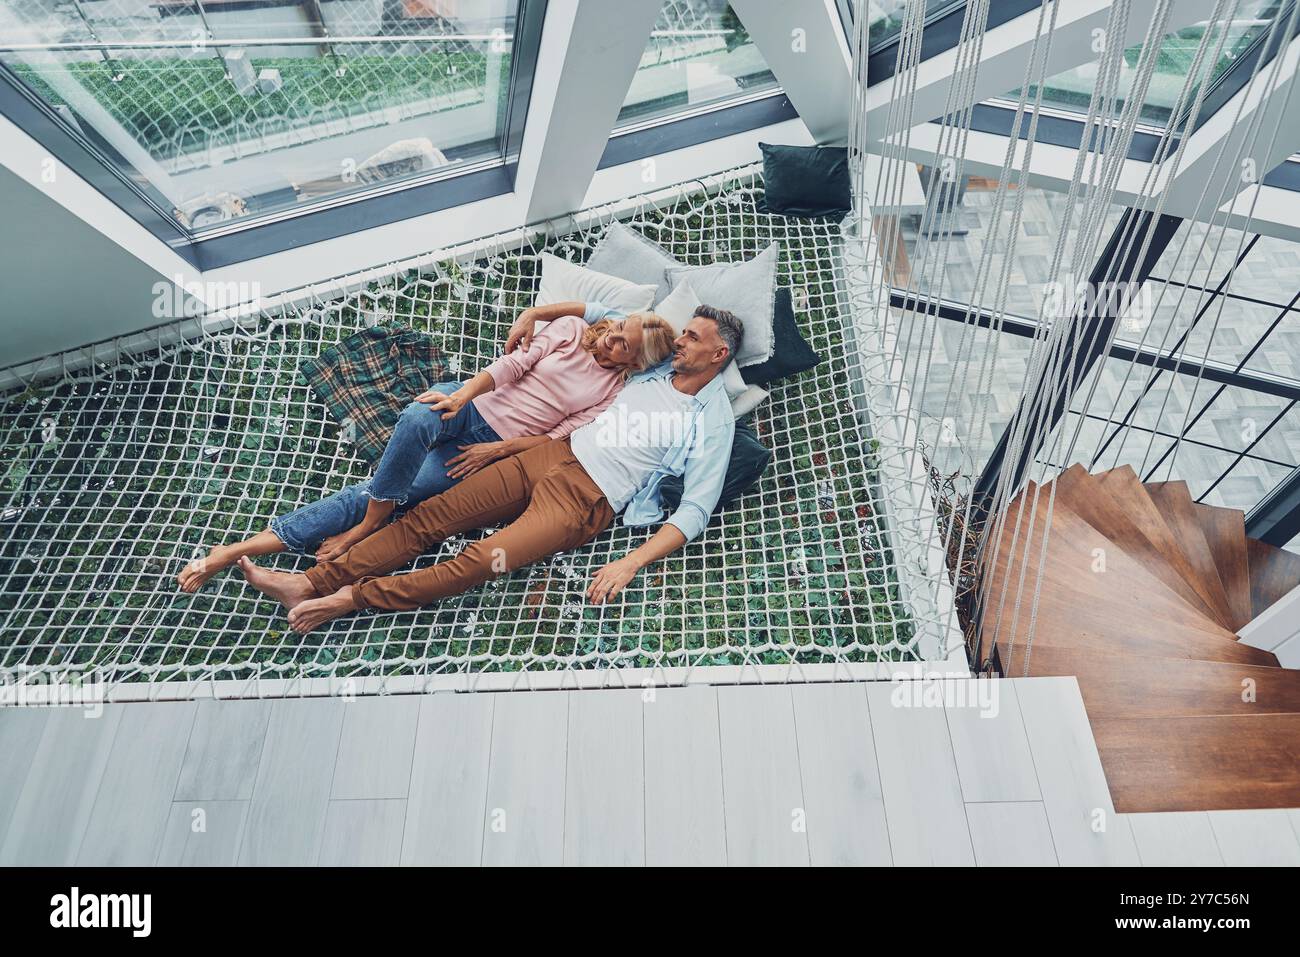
x: 336, y: 545
x: 316, y: 611
x: 220, y: 557
x: 196, y: 574
x: 378, y: 512
x: 289, y: 590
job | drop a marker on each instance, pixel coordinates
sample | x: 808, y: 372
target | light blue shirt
x: 699, y: 451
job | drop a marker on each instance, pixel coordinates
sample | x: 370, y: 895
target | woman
x: 562, y: 379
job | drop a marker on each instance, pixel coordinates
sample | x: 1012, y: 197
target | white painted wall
x: 75, y: 269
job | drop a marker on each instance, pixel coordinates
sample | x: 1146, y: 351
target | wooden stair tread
x: 1123, y: 493
x: 1273, y: 572
x: 1140, y: 687
x: 1124, y: 610
x: 1199, y: 763
x: 1225, y: 532
x: 1175, y: 505
x: 1151, y: 638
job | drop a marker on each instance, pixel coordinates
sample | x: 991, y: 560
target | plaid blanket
x: 368, y: 378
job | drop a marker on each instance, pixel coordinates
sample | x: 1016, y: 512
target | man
x: 674, y: 419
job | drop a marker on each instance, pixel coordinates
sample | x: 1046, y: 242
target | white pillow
x: 678, y: 308
x: 747, y: 289
x: 625, y: 253
x: 732, y: 381
x: 748, y: 400
x: 562, y: 281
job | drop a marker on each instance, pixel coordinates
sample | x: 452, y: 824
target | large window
x: 885, y: 17
x: 699, y: 55
x: 1072, y: 90
x: 222, y: 112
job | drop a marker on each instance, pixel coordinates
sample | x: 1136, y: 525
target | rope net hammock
x: 121, y: 473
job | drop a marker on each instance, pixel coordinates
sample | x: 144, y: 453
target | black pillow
x: 749, y: 459
x: 791, y: 353
x: 805, y: 181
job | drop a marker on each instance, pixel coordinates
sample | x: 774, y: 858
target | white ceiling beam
x: 1241, y: 142
x: 1006, y: 51
x: 804, y: 45
x: 1276, y: 213
x: 590, y: 50
x: 1052, y: 167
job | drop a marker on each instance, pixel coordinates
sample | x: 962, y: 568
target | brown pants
x: 544, y: 493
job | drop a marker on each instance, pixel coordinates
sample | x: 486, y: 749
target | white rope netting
x: 122, y: 473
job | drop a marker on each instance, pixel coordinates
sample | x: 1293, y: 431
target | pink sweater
x: 552, y: 388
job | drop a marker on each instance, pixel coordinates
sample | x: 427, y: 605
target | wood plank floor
x: 985, y: 773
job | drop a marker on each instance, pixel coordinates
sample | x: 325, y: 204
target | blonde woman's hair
x: 657, y: 337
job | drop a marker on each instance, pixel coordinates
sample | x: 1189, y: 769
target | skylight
x: 1071, y: 90
x: 699, y: 55
x: 221, y: 112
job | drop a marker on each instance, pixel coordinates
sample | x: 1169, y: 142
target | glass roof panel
x: 885, y: 17
x: 223, y: 110
x: 699, y: 55
x: 1072, y: 89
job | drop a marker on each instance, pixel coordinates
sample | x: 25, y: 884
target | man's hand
x: 521, y: 333
x: 474, y: 457
x: 612, y: 579
x: 449, y: 405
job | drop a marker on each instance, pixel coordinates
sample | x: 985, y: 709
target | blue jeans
x: 412, y: 468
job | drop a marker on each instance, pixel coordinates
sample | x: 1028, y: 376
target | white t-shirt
x: 622, y: 447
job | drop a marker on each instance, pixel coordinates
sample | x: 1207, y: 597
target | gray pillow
x: 627, y: 254
x: 747, y: 289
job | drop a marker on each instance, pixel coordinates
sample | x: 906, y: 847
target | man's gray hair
x: 730, y: 328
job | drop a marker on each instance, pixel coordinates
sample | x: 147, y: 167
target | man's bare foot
x: 336, y: 545
x: 316, y: 611
x: 289, y: 590
x: 196, y: 574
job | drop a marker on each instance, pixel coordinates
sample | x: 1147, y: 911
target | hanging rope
x: 1110, y: 125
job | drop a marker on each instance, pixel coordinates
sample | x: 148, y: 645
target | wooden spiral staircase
x: 1143, y: 592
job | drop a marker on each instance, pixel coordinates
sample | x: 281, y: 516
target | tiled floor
x: 977, y: 395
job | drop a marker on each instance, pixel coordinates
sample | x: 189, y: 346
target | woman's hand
x: 521, y: 333
x: 475, y: 457
x: 448, y: 405
x: 612, y: 579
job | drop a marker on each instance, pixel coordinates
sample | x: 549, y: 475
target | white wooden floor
x: 803, y: 774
